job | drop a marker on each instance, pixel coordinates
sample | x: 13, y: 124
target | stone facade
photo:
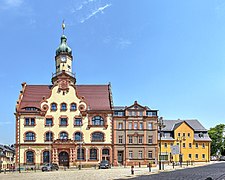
x: 134, y: 135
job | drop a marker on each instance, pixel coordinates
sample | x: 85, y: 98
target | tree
x: 218, y: 143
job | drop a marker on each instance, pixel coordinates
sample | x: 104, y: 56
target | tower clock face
x: 63, y: 59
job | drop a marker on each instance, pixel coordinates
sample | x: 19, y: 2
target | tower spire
x: 63, y: 26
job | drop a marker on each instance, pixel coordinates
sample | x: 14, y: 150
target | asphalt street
x: 215, y: 171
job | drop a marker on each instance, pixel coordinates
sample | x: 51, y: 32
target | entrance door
x: 64, y: 159
x: 120, y: 157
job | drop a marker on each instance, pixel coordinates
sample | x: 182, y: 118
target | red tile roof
x: 96, y: 96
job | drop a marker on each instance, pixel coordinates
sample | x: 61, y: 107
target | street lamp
x: 161, y: 125
x: 81, y: 124
x: 180, y: 139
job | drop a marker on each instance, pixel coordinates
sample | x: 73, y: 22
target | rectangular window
x: 119, y: 113
x: 171, y: 144
x: 29, y: 122
x: 130, y: 113
x: 189, y: 156
x: 189, y: 135
x: 165, y: 145
x: 150, y: 154
x: 130, y: 154
x: 149, y: 139
x: 130, y: 139
x: 190, y: 145
x: 140, y: 139
x: 151, y: 113
x: 178, y: 135
x: 203, y: 145
x: 77, y: 122
x: 120, y: 125
x: 183, y: 134
x: 130, y: 125
x: 140, y: 154
x: 120, y: 139
x: 141, y: 125
x: 150, y: 126
x: 203, y: 156
x: 48, y: 122
x: 196, y: 145
x: 63, y: 121
x: 196, y: 156
x: 184, y: 145
x: 135, y: 125
x: 140, y: 113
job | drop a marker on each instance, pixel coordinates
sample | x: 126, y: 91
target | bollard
x: 132, y: 170
x: 173, y: 164
x: 5, y: 171
x: 149, y: 167
x: 139, y: 164
x: 187, y: 163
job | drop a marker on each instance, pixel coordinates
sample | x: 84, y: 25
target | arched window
x: 97, y: 121
x: 63, y: 135
x: 46, y: 157
x: 30, y: 157
x: 78, y: 136
x: 97, y: 136
x: 49, y: 136
x: 73, y: 107
x: 30, y: 136
x: 80, y: 154
x: 63, y: 107
x: 53, y: 107
x: 93, y: 154
x: 105, y: 152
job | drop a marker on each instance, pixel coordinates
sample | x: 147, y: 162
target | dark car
x: 222, y: 158
x: 50, y: 167
x: 104, y: 164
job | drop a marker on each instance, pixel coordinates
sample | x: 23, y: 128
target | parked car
x: 104, y: 164
x: 213, y: 158
x: 50, y: 167
x: 222, y: 158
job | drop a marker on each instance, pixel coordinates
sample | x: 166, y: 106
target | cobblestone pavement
x: 215, y: 171
x: 120, y: 173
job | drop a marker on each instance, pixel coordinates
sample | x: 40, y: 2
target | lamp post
x: 161, y: 125
x: 180, y: 139
x: 81, y: 124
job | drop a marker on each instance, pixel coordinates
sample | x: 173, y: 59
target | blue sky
x: 168, y: 55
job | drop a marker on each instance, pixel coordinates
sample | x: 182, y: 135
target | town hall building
x: 64, y: 123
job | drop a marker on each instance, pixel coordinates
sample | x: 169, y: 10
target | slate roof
x: 173, y: 124
x: 96, y: 96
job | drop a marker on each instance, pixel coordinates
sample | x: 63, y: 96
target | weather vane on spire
x: 63, y: 26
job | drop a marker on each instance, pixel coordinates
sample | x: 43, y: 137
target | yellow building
x: 63, y: 123
x: 187, y: 140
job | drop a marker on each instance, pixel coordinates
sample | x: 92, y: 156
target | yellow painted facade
x: 80, y: 128
x: 191, y: 149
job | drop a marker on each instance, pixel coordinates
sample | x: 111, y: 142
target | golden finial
x: 63, y: 26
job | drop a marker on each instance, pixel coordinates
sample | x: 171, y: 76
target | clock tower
x: 63, y: 60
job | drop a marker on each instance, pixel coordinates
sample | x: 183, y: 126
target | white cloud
x: 124, y: 43
x: 7, y: 4
x: 5, y: 123
x: 100, y: 9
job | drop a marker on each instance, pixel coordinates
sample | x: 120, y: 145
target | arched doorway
x: 64, y: 159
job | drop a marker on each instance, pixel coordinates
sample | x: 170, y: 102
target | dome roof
x: 63, y: 47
